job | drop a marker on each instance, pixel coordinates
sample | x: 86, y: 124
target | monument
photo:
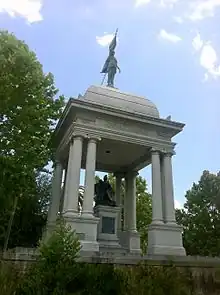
x: 113, y: 131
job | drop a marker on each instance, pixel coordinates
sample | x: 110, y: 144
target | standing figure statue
x: 104, y: 193
x: 111, y: 65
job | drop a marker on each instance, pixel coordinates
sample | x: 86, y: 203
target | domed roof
x: 114, y: 98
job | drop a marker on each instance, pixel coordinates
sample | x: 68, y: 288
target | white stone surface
x: 169, y: 208
x: 86, y: 229
x: 130, y: 128
x: 89, y: 179
x: 164, y: 239
x: 73, y: 177
x: 118, y: 199
x: 130, y: 241
x: 131, y: 199
x: 56, y: 194
x: 157, y: 214
x: 107, y: 240
x: 120, y: 100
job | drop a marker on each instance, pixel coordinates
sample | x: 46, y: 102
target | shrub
x: 56, y: 264
x: 9, y: 278
x: 158, y: 280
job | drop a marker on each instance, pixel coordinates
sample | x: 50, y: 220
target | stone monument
x: 113, y: 131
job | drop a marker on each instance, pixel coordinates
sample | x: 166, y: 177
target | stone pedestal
x: 107, y: 227
x: 164, y: 239
x: 130, y: 241
x: 86, y: 230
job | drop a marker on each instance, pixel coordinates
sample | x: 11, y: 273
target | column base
x: 130, y: 240
x: 86, y: 230
x: 165, y: 239
x: 48, y: 231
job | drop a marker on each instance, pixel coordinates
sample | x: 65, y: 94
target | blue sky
x: 168, y: 51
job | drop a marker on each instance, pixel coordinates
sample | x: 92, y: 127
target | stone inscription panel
x: 108, y: 225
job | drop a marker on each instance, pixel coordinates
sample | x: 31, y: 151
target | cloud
x: 208, y: 60
x: 104, y: 40
x: 178, y: 19
x: 141, y: 2
x: 28, y: 9
x: 168, y: 3
x: 197, y: 42
x: 169, y: 36
x: 208, y: 57
x: 202, y: 9
x: 177, y: 205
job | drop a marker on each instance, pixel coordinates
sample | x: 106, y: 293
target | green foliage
x: 31, y: 213
x: 56, y: 265
x: 144, y: 211
x: 98, y: 279
x: 28, y: 114
x: 201, y: 217
x: 158, y: 280
x: 9, y: 278
x: 57, y: 272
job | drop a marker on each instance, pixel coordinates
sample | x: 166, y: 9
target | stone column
x: 63, y: 191
x: 89, y: 178
x: 118, y: 200
x: 118, y: 177
x: 169, y: 209
x: 132, y: 227
x: 73, y: 176
x: 56, y: 193
x: 126, y: 205
x: 157, y: 217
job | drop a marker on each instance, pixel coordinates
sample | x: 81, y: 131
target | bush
x: 9, y: 278
x: 57, y: 272
x: 56, y: 264
x: 158, y: 280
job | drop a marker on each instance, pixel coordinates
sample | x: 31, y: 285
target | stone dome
x: 114, y: 98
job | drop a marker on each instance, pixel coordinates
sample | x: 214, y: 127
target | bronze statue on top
x: 111, y: 64
x: 104, y: 193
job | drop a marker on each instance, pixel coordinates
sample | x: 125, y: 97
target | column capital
x: 168, y: 153
x: 75, y: 136
x: 119, y: 174
x: 92, y: 138
x: 155, y: 151
x: 131, y: 173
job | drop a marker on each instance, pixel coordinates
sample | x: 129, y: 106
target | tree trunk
x: 8, y: 232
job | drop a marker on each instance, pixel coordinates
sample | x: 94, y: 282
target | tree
x: 28, y: 114
x: 201, y: 217
x: 143, y: 206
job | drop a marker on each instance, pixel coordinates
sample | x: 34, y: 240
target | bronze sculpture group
x: 104, y: 193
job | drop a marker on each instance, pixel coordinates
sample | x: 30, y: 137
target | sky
x: 168, y: 51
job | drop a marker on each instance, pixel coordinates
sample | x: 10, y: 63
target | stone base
x: 47, y: 231
x: 107, y: 227
x: 86, y: 230
x: 164, y: 239
x: 130, y: 241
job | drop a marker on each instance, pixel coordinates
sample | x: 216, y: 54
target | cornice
x: 126, y: 114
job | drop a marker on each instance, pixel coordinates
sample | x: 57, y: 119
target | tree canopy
x: 201, y: 216
x: 29, y: 109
